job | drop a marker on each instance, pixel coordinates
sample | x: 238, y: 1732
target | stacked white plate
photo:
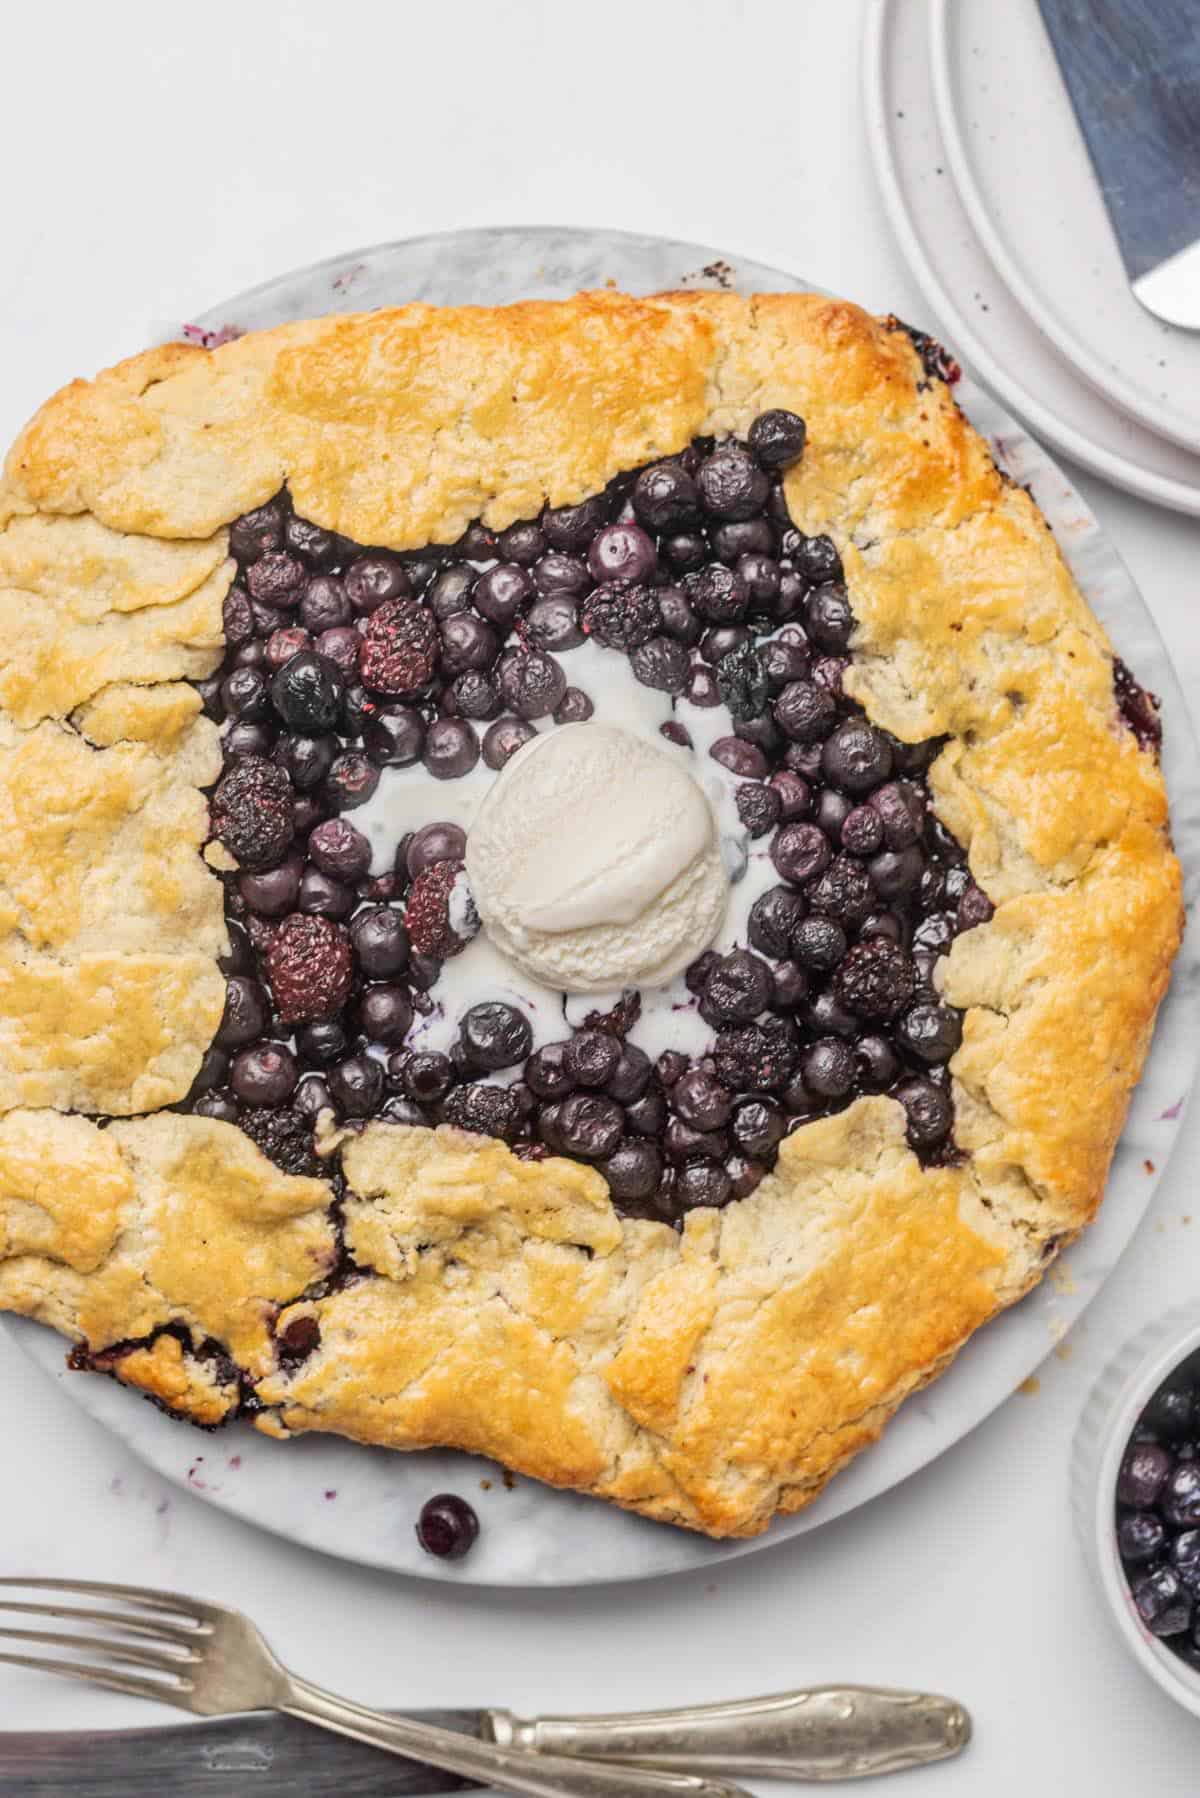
x: 989, y: 189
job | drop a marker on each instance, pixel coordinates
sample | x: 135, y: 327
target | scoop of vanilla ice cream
x: 594, y: 861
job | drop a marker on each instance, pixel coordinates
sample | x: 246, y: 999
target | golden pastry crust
x: 713, y: 1377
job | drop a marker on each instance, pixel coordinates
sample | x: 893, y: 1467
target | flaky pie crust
x: 711, y: 1377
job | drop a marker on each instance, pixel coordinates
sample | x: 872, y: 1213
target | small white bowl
x: 1112, y: 1410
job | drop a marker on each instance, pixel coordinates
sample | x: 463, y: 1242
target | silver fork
x: 213, y: 1661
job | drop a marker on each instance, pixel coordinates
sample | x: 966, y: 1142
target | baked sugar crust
x: 711, y: 1377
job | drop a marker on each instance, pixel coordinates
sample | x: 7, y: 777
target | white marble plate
x: 970, y: 301
x: 1005, y: 117
x: 361, y: 1503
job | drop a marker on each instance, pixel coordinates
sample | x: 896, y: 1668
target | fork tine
x: 134, y: 1626
x: 193, y: 1608
x: 108, y: 1677
x: 134, y: 1653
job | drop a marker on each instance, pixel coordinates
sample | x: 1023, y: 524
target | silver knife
x: 827, y: 1733
x: 1132, y: 69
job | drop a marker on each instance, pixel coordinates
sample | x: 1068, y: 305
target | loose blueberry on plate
x: 447, y: 1527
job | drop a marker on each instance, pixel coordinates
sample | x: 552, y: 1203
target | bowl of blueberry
x: 1137, y: 1498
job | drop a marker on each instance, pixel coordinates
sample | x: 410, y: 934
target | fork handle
x: 827, y: 1733
x: 509, y: 1769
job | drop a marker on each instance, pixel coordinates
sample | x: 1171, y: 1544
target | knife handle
x: 827, y: 1733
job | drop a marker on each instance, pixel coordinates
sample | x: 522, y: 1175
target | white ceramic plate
x: 1006, y: 118
x: 973, y: 305
x: 361, y: 1503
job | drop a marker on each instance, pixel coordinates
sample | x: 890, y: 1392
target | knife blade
x: 1132, y: 69
x: 261, y: 1755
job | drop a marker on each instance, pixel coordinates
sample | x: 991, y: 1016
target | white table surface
x: 158, y: 159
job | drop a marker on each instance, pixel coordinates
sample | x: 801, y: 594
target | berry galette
x: 579, y: 883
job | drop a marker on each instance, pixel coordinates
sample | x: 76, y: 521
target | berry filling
x: 349, y: 666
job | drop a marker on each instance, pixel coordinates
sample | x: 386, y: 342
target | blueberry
x: 589, y: 1126
x: 731, y: 484
x: 633, y: 1170
x: 256, y: 532
x: 246, y: 738
x: 744, y: 537
x: 553, y: 623
x: 264, y: 1074
x: 467, y: 642
x: 531, y: 683
x: 356, y: 1085
x: 373, y: 580
x: 702, y: 1183
x: 622, y: 552
x: 1171, y: 1411
x: 451, y: 748
x: 503, y: 739
x: 449, y: 592
x: 813, y: 557
x: 442, y: 842
x: 322, y: 897
x: 322, y: 1042
x: 547, y: 1072
x: 591, y: 1057
x: 244, y: 694
x: 743, y: 759
x: 800, y: 852
x: 1180, y: 1497
x: 572, y: 528
x: 878, y: 1062
x: 1162, y: 1603
x: 246, y: 1013
x: 428, y: 1076
x: 573, y: 708
x: 447, y: 1527
x: 324, y: 605
x: 686, y: 551
x: 339, y: 850
x: 717, y: 593
x: 757, y: 1127
x: 895, y: 873
x: 473, y: 695
x: 561, y: 575
x: 385, y: 1014
x: 310, y: 541
x: 795, y: 794
x: 380, y: 942
x: 818, y: 943
x: 1141, y: 1536
x: 776, y: 438
x: 862, y: 830
x: 306, y: 760
x: 662, y: 663
x: 273, y: 894
x: 523, y: 543
x: 664, y: 497
x: 502, y: 591
x: 311, y: 1096
x: 805, y: 712
x: 494, y: 1035
x: 631, y: 1075
x: 701, y: 1100
x: 828, y: 1068
x: 773, y: 919
x: 928, y: 1111
x: 929, y: 1033
x: 276, y: 578
x: 394, y: 736
x: 738, y: 988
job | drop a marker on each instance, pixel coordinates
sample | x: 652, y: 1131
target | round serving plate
x: 361, y: 1503
x: 1005, y: 117
x: 968, y: 298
